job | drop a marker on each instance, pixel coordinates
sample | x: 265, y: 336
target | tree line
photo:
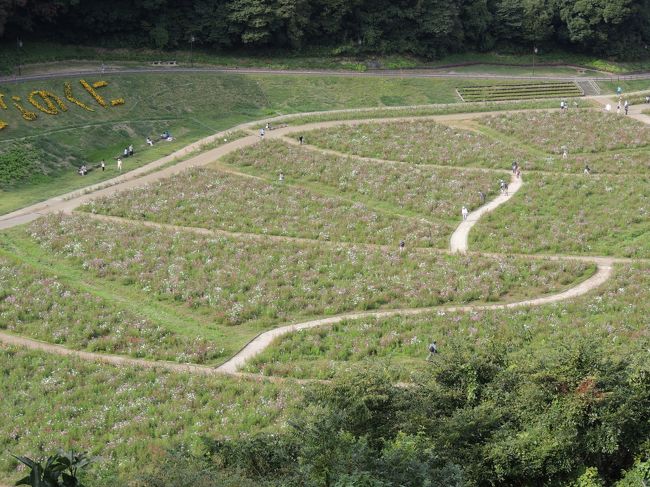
x: 425, y: 28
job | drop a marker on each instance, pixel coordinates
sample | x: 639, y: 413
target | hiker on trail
x: 262, y: 133
x: 481, y: 195
x: 402, y: 244
x: 149, y: 142
x: 503, y: 186
x: 618, y: 109
x: 268, y: 126
x: 587, y: 169
x: 626, y: 106
x: 433, y: 349
x: 465, y: 212
x: 126, y: 152
x: 301, y: 139
x: 647, y: 99
x: 608, y: 107
x: 131, y: 150
x: 281, y: 177
x: 119, y: 164
x: 514, y: 167
x: 565, y: 152
x: 518, y: 173
x: 103, y: 165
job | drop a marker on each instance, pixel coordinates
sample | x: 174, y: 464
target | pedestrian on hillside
x: 514, y: 167
x: 119, y: 164
x: 608, y: 107
x: 626, y: 106
x: 503, y: 186
x: 565, y: 152
x: 281, y: 177
x: 262, y: 133
x: 618, y: 109
x: 518, y: 173
x: 131, y: 150
x: 402, y: 244
x: 103, y: 165
x: 481, y: 195
x: 301, y: 139
x: 647, y: 99
x: 433, y: 349
x: 149, y: 142
x: 587, y: 169
x: 464, y: 212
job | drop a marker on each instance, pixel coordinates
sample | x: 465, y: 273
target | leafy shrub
x: 19, y: 164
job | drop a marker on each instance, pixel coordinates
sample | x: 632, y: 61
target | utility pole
x: 192, y: 39
x: 19, y: 46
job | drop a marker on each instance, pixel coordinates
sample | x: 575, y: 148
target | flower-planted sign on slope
x: 51, y: 104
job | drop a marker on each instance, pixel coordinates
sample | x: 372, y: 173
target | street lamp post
x: 534, y: 53
x: 19, y: 46
x: 192, y: 39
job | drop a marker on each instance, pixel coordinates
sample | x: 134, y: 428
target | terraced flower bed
x: 436, y: 193
x: 519, y: 91
x: 593, y: 215
x: 400, y: 343
x: 577, y: 130
x: 215, y: 200
x: 420, y: 142
x: 263, y: 282
x: 42, y: 306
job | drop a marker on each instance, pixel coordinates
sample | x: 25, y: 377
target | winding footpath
x: 155, y: 171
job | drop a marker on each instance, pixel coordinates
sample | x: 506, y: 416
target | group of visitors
x: 127, y: 152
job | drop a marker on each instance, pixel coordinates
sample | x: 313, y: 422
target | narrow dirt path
x: 458, y: 241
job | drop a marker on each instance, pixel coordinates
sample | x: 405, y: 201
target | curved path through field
x: 144, y: 175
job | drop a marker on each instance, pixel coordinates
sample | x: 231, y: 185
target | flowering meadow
x: 419, y: 142
x: 577, y: 130
x: 617, y: 316
x: 436, y: 193
x: 208, y: 198
x: 41, y: 306
x: 126, y: 416
x: 261, y: 283
x: 594, y: 215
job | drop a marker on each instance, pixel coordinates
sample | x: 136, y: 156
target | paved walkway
x: 144, y: 175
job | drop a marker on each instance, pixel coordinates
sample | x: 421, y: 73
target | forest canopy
x: 425, y: 28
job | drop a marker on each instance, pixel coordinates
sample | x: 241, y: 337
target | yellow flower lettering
x: 117, y: 101
x: 3, y: 125
x: 49, y: 98
x: 67, y: 91
x: 3, y: 105
x: 93, y: 93
x: 27, y: 115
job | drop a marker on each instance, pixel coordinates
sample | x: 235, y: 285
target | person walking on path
x: 433, y: 349
x: 626, y: 107
x: 518, y: 172
x: 587, y: 169
x: 281, y: 177
x: 514, y: 167
x: 103, y: 165
x: 565, y: 152
x: 262, y: 133
x: 481, y: 195
x: 131, y: 150
x: 465, y: 212
x: 503, y: 186
x: 301, y: 139
x: 119, y: 164
x: 402, y: 244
